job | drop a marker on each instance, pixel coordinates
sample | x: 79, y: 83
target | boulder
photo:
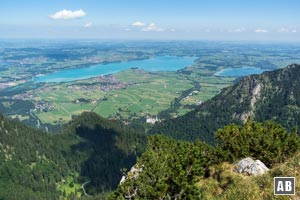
x: 251, y: 167
x: 132, y: 174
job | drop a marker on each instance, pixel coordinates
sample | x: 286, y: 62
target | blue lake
x: 238, y: 72
x: 159, y: 63
x: 3, y: 63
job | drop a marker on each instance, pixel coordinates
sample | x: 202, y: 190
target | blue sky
x: 275, y: 20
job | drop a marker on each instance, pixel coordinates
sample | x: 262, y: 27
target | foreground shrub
x: 268, y: 142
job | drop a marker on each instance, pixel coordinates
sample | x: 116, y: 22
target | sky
x: 253, y: 20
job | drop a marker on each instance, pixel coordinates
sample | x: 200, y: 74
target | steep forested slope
x: 37, y: 165
x: 272, y: 95
x: 30, y: 162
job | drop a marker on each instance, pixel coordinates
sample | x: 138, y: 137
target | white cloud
x: 68, y: 14
x: 152, y: 27
x: 238, y: 30
x: 259, y: 30
x: 287, y: 30
x: 88, y: 25
x: 138, y: 24
x: 283, y: 30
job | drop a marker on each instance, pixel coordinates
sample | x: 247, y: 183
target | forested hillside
x: 273, y: 95
x: 37, y: 165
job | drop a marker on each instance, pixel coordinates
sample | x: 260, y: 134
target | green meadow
x: 145, y: 94
x: 150, y: 94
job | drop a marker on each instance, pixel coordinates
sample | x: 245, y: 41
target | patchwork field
x: 128, y: 94
x: 65, y: 103
x: 151, y: 94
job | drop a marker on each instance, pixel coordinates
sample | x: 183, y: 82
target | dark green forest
x: 33, y: 162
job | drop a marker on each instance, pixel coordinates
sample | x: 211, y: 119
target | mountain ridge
x: 272, y: 95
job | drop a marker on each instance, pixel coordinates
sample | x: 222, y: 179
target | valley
x: 149, y: 100
x: 131, y: 94
x: 85, y: 135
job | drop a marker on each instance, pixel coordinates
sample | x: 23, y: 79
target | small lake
x: 159, y: 63
x: 238, y: 72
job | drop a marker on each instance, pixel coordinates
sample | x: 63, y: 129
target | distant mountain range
x: 273, y: 95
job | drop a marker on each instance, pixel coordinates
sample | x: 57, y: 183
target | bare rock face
x: 132, y: 174
x: 251, y: 167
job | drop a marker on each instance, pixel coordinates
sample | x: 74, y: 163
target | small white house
x: 151, y: 120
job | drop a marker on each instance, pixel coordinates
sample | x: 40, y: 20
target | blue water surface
x: 238, y: 72
x: 3, y: 63
x: 159, y: 63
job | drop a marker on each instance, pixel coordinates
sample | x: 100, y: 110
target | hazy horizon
x: 218, y: 20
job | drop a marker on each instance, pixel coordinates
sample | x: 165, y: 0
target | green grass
x: 147, y: 94
x: 69, y: 186
x: 225, y: 183
x: 151, y: 94
x: 63, y: 100
x: 20, y: 117
x: 63, y: 112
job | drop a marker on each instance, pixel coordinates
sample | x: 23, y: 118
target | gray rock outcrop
x: 251, y: 167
